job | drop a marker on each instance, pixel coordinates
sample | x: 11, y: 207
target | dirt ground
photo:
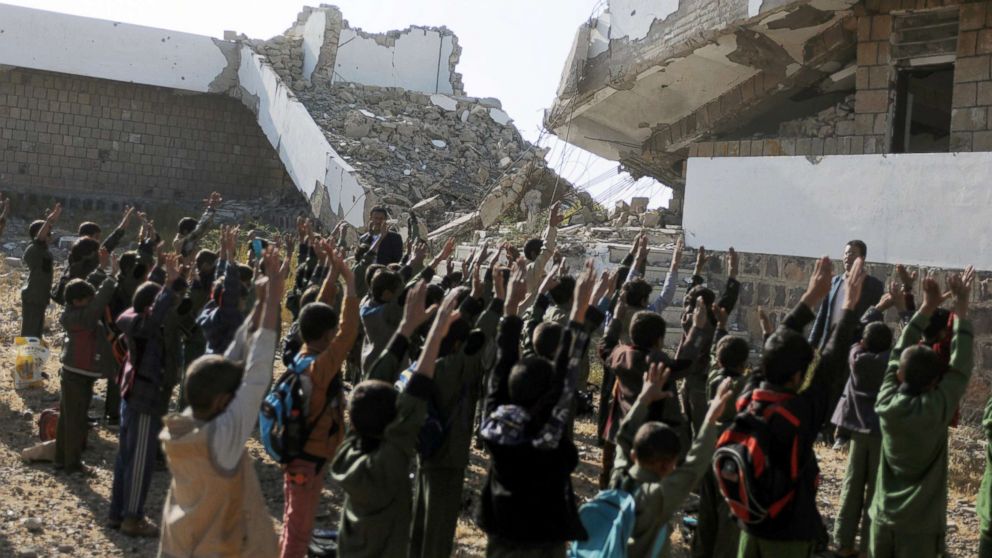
x: 72, y: 509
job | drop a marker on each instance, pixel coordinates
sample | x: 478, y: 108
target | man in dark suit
x: 828, y: 316
x: 390, y: 250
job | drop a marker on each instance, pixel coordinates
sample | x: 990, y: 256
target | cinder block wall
x: 101, y: 142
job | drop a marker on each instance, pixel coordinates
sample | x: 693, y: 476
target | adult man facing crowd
x: 390, y: 250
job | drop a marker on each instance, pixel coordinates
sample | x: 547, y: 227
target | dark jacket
x: 871, y: 292
x: 142, y: 381
x: 41, y: 269
x: 856, y: 409
x: 390, y: 249
x: 528, y: 498
x: 221, y: 316
x: 801, y: 521
x: 87, y: 348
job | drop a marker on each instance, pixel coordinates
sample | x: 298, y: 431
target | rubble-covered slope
x: 411, y: 147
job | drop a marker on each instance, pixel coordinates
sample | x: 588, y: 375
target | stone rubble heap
x: 438, y: 154
x: 837, y: 120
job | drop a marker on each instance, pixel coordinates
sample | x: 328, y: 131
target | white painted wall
x: 633, y: 18
x: 104, y: 49
x: 924, y: 209
x: 313, y: 39
x: 418, y: 61
x: 302, y: 147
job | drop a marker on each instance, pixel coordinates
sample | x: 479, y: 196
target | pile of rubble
x: 438, y: 154
x: 827, y: 123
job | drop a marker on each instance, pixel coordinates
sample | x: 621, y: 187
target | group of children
x: 402, y: 366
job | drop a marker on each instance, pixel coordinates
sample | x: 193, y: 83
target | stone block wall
x: 103, y: 141
x: 971, y: 128
x: 776, y: 283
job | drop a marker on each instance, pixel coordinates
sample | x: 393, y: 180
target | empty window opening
x: 923, y: 110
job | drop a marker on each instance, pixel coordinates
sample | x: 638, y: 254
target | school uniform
x: 908, y: 511
x: 221, y: 315
x: 656, y: 498
x: 36, y: 292
x: 375, y: 476
x: 856, y: 413
x: 984, y: 503
x: 86, y: 357
x: 793, y: 532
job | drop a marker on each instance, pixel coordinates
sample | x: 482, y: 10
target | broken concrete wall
x: 323, y: 176
x: 116, y: 51
x: 417, y: 59
x: 104, y: 142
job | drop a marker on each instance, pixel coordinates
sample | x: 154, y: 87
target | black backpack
x: 756, y: 488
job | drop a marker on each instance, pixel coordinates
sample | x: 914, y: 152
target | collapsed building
x: 787, y: 127
x: 323, y: 117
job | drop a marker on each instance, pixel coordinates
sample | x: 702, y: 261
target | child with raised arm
x: 915, y: 406
x: 36, y: 292
x: 215, y: 506
x: 373, y: 463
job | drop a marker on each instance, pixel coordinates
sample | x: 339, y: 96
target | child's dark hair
x: 529, y: 380
x: 82, y: 249
x: 205, y: 258
x: 208, y: 377
x: 656, y: 442
x: 694, y: 293
x: 371, y: 408
x: 940, y: 322
x: 877, y: 337
x: 636, y: 292
x: 145, y: 295
x: 316, y: 319
x: 920, y: 366
x: 547, y: 336
x: 127, y: 262
x: 732, y: 352
x: 245, y: 274
x: 385, y: 281
x: 89, y: 228
x: 34, y: 228
x: 78, y: 289
x: 786, y: 353
x: 186, y: 225
x: 310, y: 295
x: 532, y: 248
x: 646, y: 329
x: 564, y: 291
x: 371, y: 271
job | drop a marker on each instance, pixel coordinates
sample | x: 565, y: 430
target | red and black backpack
x: 755, y: 486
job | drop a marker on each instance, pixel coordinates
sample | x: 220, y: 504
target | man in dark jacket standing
x: 390, y: 250
x: 830, y: 311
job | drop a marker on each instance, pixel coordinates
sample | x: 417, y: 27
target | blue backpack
x: 609, y: 521
x: 282, y: 421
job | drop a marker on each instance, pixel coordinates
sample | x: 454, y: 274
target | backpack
x: 282, y: 420
x: 756, y: 488
x: 435, y: 429
x: 609, y: 521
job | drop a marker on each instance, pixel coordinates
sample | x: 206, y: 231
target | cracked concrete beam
x: 758, y: 51
x: 227, y: 80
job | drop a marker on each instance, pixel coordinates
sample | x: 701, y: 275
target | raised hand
x: 855, y: 281
x: 699, y: 315
x: 104, y: 258
x: 719, y: 402
x: 478, y: 287
x: 720, y: 314
x: 499, y: 283
x: 654, y: 383
x: 677, y: 253
x: 908, y: 279
x: 819, y: 283
x: 517, y: 290
x: 766, y: 323
x: 171, y: 262
x: 551, y: 280
x: 415, y: 312
x: 933, y: 297
x: 733, y: 263
x: 961, y: 286
x: 213, y: 201
x: 602, y: 287
x: 555, y: 217
x: 700, y: 260
x: 584, y: 285
x: 126, y: 219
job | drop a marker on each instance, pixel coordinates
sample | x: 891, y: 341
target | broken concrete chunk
x: 357, y: 125
x: 432, y: 203
x: 651, y: 219
x: 505, y: 162
x: 499, y: 116
x: 444, y: 102
x: 440, y: 144
x: 638, y: 205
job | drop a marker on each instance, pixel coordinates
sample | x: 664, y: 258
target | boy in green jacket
x: 36, y: 292
x: 915, y: 406
x: 647, y: 460
x: 372, y: 465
